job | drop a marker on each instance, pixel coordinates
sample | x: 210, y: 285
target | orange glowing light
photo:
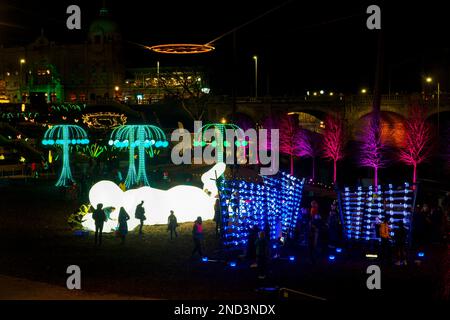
x: 181, y: 48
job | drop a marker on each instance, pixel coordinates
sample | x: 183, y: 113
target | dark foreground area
x: 37, y: 244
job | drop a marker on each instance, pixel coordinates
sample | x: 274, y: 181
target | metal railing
x: 7, y: 171
x: 429, y: 100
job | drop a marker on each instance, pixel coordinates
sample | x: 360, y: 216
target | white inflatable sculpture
x: 187, y: 202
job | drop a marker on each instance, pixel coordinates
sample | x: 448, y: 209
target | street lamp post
x: 438, y: 105
x: 157, y: 83
x: 430, y: 80
x: 21, y: 63
x: 256, y: 76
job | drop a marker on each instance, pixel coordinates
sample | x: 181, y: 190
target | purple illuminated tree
x: 372, y: 149
x: 310, y: 145
x: 334, y: 140
x: 418, y: 138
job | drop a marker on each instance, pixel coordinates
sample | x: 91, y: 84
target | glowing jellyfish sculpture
x: 142, y: 137
x: 220, y: 138
x: 65, y: 135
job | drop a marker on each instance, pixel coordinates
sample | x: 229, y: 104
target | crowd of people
x: 100, y: 216
x: 321, y: 231
x: 430, y: 223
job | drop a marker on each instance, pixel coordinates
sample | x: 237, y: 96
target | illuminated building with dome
x: 44, y: 71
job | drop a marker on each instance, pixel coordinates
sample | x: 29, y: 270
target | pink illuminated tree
x: 372, y: 149
x: 334, y: 140
x: 310, y: 145
x: 418, y: 140
x: 289, y: 135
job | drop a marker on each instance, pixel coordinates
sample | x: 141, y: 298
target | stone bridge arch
x: 392, y: 128
x: 351, y: 108
x: 434, y: 111
x: 316, y: 113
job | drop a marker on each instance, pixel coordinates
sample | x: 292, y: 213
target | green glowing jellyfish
x: 143, y: 137
x: 220, y: 139
x: 65, y: 135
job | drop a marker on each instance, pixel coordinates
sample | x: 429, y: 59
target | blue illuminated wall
x: 363, y: 208
x: 271, y: 205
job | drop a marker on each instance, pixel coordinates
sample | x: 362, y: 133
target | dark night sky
x: 298, y: 48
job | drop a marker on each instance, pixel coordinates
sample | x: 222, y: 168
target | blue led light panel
x: 273, y: 206
x: 363, y: 209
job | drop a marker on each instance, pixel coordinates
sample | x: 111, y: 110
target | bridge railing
x: 7, y: 171
x: 338, y: 99
x: 431, y: 100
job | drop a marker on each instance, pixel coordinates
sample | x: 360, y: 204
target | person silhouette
x: 140, y: 215
x: 99, y: 217
x: 123, y: 225
x: 217, y: 216
x: 197, y: 235
x: 261, y: 245
x: 172, y: 225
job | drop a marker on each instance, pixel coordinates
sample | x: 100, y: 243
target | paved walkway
x: 22, y: 289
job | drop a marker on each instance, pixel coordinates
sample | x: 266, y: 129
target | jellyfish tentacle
x: 142, y: 176
x: 138, y: 136
x: 131, y: 176
x: 219, y: 133
x: 65, y: 178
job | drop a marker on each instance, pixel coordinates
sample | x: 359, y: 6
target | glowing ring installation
x: 181, y: 48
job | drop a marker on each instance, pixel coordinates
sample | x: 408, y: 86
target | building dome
x: 41, y: 41
x: 104, y: 26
